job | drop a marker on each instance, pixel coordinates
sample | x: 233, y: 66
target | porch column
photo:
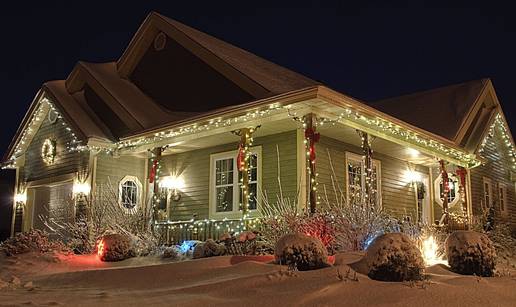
x: 446, y: 190
x: 462, y: 173
x: 370, y: 191
x: 153, y: 179
x: 244, y: 154
x: 311, y: 137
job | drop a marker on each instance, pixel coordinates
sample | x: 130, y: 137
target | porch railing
x: 175, y: 232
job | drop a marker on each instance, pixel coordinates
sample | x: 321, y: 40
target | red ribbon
x: 461, y: 172
x: 152, y: 175
x: 444, y: 174
x: 313, y: 137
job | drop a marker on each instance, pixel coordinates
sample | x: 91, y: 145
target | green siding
x: 398, y: 196
x: 194, y: 167
x: 65, y: 162
x: 116, y: 168
x: 497, y: 168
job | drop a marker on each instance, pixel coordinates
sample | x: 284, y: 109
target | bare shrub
x: 105, y: 214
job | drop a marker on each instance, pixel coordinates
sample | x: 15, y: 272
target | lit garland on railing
x: 508, y: 142
x: 228, y: 225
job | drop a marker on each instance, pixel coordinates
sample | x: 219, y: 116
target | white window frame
x: 502, y: 196
x: 235, y: 213
x: 437, y: 190
x: 361, y: 159
x: 139, y: 189
x: 489, y: 193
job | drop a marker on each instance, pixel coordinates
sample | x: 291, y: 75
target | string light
x: 499, y: 124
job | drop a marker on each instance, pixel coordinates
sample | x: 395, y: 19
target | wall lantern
x: 81, y: 189
x: 412, y: 176
x: 20, y: 198
x: 173, y: 184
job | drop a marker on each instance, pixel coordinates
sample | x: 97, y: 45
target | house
x: 179, y: 119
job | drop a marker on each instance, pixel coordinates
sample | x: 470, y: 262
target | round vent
x: 159, y: 41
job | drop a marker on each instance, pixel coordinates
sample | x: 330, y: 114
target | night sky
x: 367, y: 51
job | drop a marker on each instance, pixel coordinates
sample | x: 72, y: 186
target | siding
x: 114, y: 169
x: 497, y: 168
x: 398, y: 196
x: 65, y: 162
x: 194, y: 167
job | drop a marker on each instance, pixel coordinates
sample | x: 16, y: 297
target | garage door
x: 54, y: 202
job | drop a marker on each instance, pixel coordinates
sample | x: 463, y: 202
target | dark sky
x: 369, y: 51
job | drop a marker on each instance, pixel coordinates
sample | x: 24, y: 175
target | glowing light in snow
x: 186, y: 246
x: 100, y: 248
x: 429, y: 249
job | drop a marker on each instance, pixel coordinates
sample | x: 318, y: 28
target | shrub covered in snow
x: 209, y: 248
x: 245, y: 243
x: 470, y: 252
x: 32, y: 241
x: 171, y: 252
x: 394, y: 257
x: 301, y: 252
x: 115, y: 247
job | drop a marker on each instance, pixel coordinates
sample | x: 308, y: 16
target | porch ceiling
x: 266, y: 128
x: 349, y: 135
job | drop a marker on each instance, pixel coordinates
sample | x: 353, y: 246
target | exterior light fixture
x: 173, y: 184
x: 412, y: 176
x: 20, y: 198
x: 81, y: 189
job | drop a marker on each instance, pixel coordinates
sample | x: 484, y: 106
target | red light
x: 100, y: 248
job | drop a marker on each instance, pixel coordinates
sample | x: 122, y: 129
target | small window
x: 502, y: 197
x: 355, y: 178
x: 130, y: 193
x: 226, y: 188
x: 453, y: 196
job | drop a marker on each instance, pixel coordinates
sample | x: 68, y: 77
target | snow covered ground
x: 85, y: 281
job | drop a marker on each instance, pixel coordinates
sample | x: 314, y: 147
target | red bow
x: 461, y: 172
x: 153, y: 171
x: 313, y: 138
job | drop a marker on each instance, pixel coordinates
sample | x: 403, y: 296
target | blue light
x: 187, y: 245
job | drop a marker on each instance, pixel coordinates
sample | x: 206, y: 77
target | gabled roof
x: 259, y: 77
x: 441, y: 111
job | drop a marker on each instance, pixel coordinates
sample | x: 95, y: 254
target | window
x: 355, y: 177
x: 453, y: 192
x: 130, y: 193
x: 488, y: 199
x: 502, y: 197
x: 225, y: 187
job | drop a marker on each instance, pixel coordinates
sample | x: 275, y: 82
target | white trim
x: 139, y: 190
x: 358, y: 158
x: 502, y: 195
x: 437, y: 190
x: 235, y: 213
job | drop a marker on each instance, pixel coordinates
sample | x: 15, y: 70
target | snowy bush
x: 210, y: 248
x: 301, y: 252
x: 115, y: 247
x: 245, y: 243
x: 394, y: 257
x: 470, y: 252
x: 171, y: 252
x: 32, y: 241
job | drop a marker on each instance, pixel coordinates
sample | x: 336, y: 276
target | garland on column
x: 461, y: 173
x: 243, y: 160
x: 370, y: 193
x: 311, y: 138
x: 446, y: 190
